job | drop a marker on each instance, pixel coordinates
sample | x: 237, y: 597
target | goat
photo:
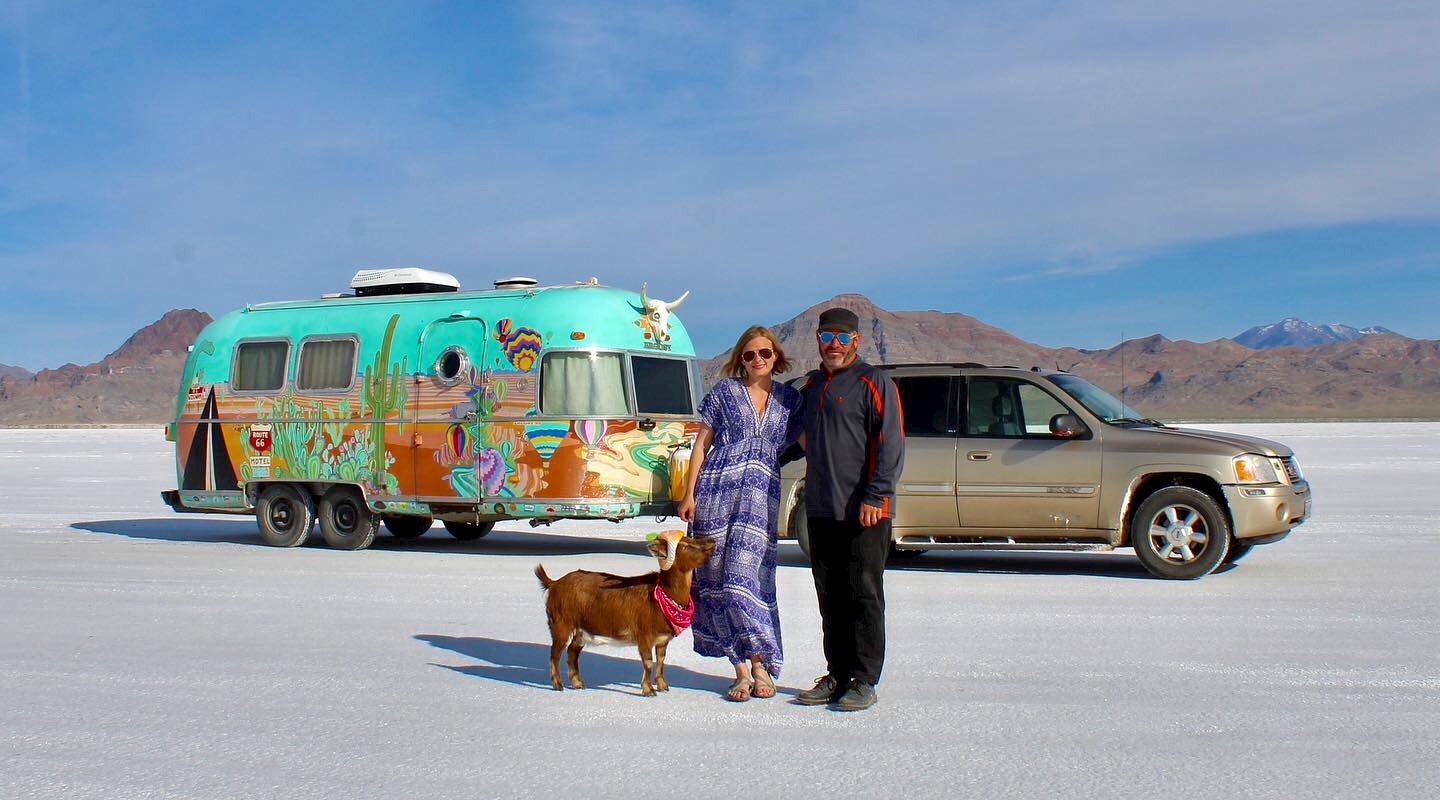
x: 585, y: 607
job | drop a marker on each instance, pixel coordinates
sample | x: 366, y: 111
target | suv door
x: 925, y: 493
x: 1012, y: 473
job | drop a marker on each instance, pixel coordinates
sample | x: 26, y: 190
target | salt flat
x: 146, y: 654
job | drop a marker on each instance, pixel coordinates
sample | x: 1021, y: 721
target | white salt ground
x: 146, y: 654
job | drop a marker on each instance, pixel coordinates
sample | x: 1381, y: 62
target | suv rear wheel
x: 800, y: 528
x: 1180, y: 533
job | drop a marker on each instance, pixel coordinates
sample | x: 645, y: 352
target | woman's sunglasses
x: 843, y: 337
x: 764, y: 353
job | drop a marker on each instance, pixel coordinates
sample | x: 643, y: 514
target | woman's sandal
x: 740, y: 690
x: 764, y: 685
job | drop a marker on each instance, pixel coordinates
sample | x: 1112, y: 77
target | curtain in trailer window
x: 583, y: 384
x: 260, y: 366
x: 326, y: 365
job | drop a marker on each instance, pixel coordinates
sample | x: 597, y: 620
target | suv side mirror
x: 1067, y: 426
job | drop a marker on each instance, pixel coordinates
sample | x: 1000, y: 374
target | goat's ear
x: 657, y: 548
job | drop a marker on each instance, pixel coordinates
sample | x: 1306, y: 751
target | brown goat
x: 586, y: 607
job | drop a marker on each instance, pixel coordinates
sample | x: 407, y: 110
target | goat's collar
x: 678, y: 616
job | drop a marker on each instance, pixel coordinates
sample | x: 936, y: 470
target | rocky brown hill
x: 136, y: 383
x: 1380, y: 376
x: 1373, y: 377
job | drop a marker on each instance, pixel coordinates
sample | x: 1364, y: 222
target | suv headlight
x: 1251, y: 468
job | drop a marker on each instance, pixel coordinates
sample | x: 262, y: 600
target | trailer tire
x: 285, y: 514
x: 469, y: 531
x: 345, y: 520
x: 407, y: 527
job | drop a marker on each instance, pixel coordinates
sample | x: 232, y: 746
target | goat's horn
x: 644, y: 302
x: 670, y: 544
x: 677, y: 301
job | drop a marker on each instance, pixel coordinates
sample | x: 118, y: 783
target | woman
x: 732, y: 495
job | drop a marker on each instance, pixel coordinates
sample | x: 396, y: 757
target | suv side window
x: 925, y: 404
x: 1006, y: 407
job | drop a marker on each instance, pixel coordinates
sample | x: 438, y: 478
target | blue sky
x: 1067, y: 171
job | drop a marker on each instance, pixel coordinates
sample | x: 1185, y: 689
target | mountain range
x: 1378, y: 375
x: 135, y: 383
x: 1293, y: 332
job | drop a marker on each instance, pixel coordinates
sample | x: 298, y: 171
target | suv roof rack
x: 953, y: 364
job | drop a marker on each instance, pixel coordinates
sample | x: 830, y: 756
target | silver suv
x: 1000, y: 457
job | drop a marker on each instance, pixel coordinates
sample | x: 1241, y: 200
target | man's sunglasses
x: 843, y: 337
x: 749, y: 355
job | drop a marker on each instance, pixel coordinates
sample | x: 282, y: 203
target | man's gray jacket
x: 854, y: 441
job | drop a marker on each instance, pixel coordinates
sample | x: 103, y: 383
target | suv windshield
x: 1098, y: 401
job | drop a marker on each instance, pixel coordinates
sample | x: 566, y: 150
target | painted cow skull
x: 655, y: 316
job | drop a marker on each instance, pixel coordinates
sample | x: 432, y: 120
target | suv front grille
x: 1292, y: 468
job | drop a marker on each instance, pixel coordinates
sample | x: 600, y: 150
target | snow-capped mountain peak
x: 1296, y: 332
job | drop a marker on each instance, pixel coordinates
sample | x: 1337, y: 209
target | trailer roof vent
x: 516, y: 282
x: 402, y: 280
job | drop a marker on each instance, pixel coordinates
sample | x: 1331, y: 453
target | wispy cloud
x: 740, y: 150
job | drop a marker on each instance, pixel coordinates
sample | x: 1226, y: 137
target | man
x: 854, y: 448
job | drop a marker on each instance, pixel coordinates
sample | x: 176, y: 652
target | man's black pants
x: 848, y: 563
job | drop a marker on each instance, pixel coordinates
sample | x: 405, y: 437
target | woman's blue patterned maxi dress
x: 737, y: 501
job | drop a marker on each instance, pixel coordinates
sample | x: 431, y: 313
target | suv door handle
x: 978, y: 455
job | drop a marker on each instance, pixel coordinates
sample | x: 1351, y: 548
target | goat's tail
x: 545, y: 582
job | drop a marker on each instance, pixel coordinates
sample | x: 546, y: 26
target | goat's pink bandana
x: 679, y: 617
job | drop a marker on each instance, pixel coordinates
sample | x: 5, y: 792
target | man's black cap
x: 840, y: 319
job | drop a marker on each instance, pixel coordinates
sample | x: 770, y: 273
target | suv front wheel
x: 1180, y: 533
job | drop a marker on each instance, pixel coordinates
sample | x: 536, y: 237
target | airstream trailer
x: 409, y: 401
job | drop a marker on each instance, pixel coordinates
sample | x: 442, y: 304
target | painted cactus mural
x: 383, y: 393
x: 313, y: 440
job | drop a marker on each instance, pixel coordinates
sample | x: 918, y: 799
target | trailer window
x: 662, y: 385
x: 583, y: 384
x: 260, y: 366
x: 325, y: 365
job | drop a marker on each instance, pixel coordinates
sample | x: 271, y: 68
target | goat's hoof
x: 577, y: 684
x: 647, y: 692
x: 557, y: 687
x: 662, y: 686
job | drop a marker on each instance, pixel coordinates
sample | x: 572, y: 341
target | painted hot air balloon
x: 521, y: 345
x: 458, y: 440
x: 545, y: 437
x: 490, y: 470
x: 590, y: 432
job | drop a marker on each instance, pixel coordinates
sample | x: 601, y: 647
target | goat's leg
x: 558, y: 637
x: 574, y: 662
x: 647, y: 657
x: 660, y: 683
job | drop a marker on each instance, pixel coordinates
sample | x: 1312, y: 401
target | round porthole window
x: 451, y: 364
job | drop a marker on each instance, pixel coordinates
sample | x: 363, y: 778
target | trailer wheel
x: 345, y: 520
x: 469, y: 531
x: 285, y: 514
x: 407, y: 527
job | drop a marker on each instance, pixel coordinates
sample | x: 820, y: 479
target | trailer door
x: 445, y: 404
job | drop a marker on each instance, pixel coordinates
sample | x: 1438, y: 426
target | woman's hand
x: 687, y: 508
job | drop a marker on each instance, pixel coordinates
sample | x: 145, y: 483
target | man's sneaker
x: 825, y: 690
x: 858, y: 697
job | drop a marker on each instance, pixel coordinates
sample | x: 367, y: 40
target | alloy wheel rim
x: 1178, y: 534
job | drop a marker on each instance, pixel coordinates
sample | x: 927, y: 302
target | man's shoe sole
x: 849, y: 707
x: 822, y: 701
